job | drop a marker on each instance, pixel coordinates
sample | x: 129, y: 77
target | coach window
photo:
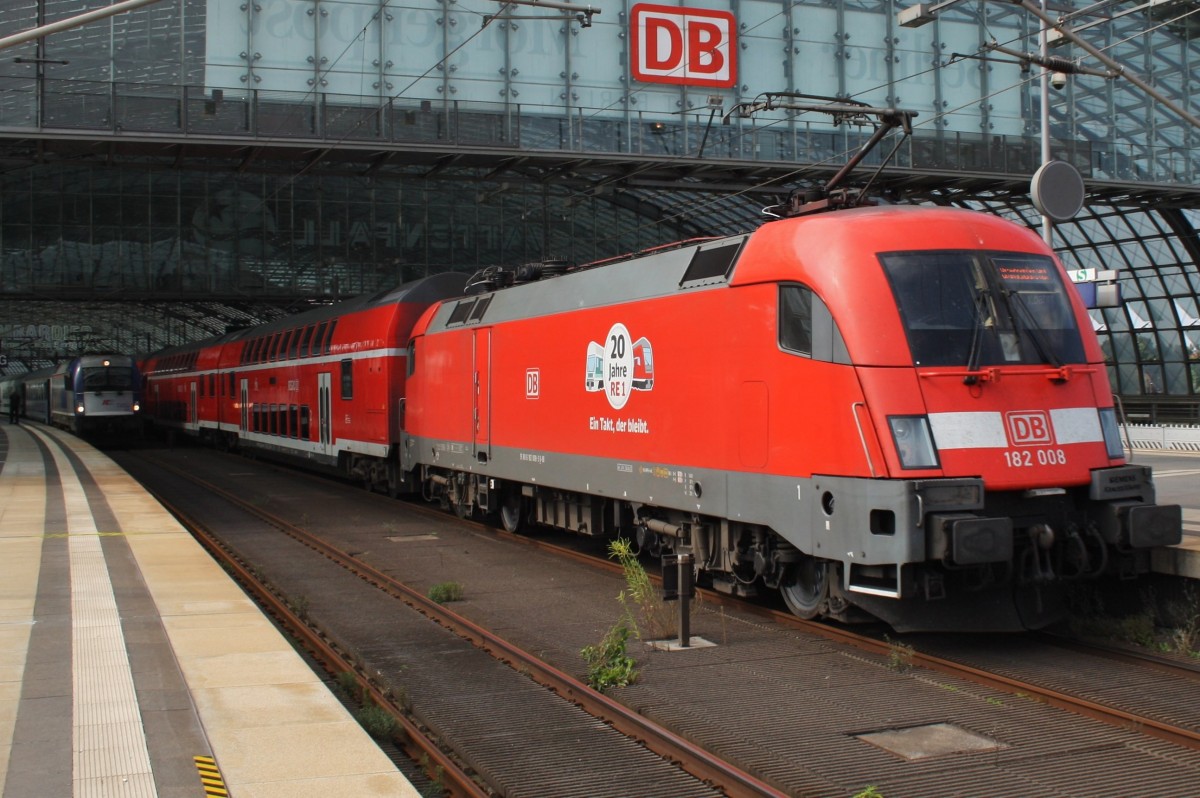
x: 327, y: 344
x: 294, y: 349
x: 807, y: 328
x: 314, y: 349
x: 294, y: 421
x: 347, y: 379
x: 306, y: 341
x: 305, y: 417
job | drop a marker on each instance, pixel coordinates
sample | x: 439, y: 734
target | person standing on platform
x: 14, y: 408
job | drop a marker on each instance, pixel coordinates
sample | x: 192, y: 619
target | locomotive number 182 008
x: 1025, y: 458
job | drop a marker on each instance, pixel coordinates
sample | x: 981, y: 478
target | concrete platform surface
x: 132, y: 665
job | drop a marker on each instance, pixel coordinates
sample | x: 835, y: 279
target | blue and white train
x: 90, y: 395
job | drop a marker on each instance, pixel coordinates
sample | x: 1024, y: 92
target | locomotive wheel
x: 511, y: 512
x: 805, y: 587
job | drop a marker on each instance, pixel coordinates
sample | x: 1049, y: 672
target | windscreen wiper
x: 1044, y: 350
x: 981, y: 295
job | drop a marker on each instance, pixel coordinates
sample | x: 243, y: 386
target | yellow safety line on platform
x: 96, y: 534
x: 210, y: 776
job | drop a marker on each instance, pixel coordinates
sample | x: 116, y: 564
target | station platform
x: 132, y: 665
x: 1184, y: 559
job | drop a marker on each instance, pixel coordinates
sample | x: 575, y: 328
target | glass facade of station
x: 629, y: 79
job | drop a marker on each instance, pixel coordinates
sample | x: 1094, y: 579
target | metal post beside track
x: 679, y: 585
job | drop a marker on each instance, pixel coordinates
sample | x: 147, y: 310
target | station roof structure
x: 168, y: 175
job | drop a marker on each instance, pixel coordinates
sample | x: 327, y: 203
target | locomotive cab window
x: 807, y: 328
x: 970, y: 308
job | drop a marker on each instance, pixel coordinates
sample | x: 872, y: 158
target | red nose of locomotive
x: 1029, y: 428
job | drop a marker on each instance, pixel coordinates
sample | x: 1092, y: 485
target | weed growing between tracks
x: 374, y: 719
x: 609, y: 663
x: 900, y: 658
x: 656, y: 616
x: 445, y: 592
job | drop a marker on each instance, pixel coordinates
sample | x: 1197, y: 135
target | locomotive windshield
x: 107, y: 378
x: 973, y: 309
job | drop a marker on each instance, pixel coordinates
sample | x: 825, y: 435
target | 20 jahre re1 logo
x: 619, y: 366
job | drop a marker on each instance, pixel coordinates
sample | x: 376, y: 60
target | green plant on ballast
x: 869, y: 792
x: 445, y: 592
x: 378, y: 722
x: 900, y: 656
x: 609, y: 663
x: 640, y: 591
x: 349, y: 684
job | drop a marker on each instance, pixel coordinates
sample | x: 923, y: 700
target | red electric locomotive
x: 325, y: 387
x: 901, y: 410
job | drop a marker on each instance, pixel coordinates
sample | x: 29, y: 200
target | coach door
x: 324, y: 411
x: 483, y: 393
x: 244, y: 392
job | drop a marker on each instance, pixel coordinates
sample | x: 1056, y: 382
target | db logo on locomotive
x: 1029, y: 428
x: 619, y: 366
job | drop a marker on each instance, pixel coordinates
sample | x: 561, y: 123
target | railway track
x: 710, y: 773
x: 801, y: 662
x: 1162, y: 719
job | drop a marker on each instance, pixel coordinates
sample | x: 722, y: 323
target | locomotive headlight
x: 79, y: 408
x: 914, y: 441
x: 1112, y: 433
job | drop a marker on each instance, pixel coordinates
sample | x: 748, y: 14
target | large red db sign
x: 690, y: 46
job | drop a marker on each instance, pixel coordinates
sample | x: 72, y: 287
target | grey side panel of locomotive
x: 689, y: 489
x: 851, y: 520
x: 623, y: 282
